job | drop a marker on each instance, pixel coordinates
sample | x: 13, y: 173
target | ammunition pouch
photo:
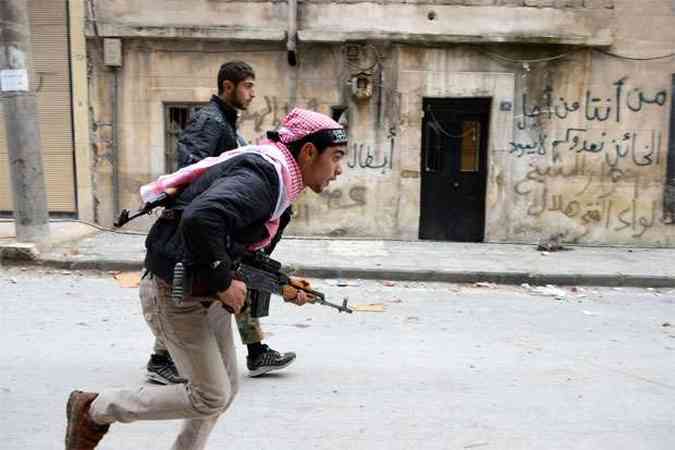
x: 259, y: 303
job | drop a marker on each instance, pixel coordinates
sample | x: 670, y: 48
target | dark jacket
x: 221, y: 211
x: 210, y: 132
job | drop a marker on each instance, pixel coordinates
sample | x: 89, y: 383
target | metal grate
x: 176, y: 118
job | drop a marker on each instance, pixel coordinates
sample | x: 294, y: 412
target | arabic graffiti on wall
x: 594, y: 106
x: 269, y: 115
x: 640, y: 149
x: 594, y: 199
x: 592, y: 172
x: 335, y: 200
x: 367, y: 156
x: 377, y: 157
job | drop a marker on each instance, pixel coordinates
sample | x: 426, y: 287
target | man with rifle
x: 210, y: 132
x: 230, y: 202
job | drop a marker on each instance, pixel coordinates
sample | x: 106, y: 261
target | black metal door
x: 454, y: 169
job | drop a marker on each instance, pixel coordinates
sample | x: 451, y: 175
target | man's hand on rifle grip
x: 297, y: 296
x: 234, y: 297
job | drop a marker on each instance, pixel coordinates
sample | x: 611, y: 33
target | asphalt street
x: 441, y: 366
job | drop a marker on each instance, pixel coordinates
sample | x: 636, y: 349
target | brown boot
x: 82, y: 433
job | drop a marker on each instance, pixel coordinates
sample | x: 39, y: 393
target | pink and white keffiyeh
x: 301, y: 122
x: 290, y: 180
x: 296, y: 125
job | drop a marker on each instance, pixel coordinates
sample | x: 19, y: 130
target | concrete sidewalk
x: 78, y: 246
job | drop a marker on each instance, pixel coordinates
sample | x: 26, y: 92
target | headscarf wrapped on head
x: 302, y: 124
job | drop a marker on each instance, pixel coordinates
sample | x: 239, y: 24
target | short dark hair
x: 234, y: 71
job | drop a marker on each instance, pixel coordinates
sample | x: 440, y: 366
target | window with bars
x: 176, y: 118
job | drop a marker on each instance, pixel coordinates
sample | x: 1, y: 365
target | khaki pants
x: 249, y: 328
x: 201, y: 344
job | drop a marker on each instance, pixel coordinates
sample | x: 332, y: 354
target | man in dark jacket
x: 210, y: 132
x: 236, y: 202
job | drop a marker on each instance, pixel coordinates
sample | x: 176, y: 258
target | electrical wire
x: 436, y: 125
x: 91, y: 224
x: 634, y: 58
x: 523, y: 60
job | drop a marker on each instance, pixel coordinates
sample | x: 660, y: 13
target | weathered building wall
x: 591, y: 139
x: 157, y: 73
x: 582, y: 151
x: 590, y: 152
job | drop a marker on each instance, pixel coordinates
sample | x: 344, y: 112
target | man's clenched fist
x: 234, y: 296
x: 296, y: 296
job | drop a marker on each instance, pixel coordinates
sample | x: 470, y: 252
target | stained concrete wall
x: 597, y: 179
x: 597, y: 172
x: 479, y: 21
x: 580, y: 22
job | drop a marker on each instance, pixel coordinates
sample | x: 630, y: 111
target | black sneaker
x: 162, y: 370
x: 267, y: 361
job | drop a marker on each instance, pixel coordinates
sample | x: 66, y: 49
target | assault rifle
x: 263, y: 276
x: 164, y: 199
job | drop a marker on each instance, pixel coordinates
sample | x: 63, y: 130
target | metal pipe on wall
x: 114, y: 148
x: 291, y: 44
x: 292, y: 37
x: 669, y: 188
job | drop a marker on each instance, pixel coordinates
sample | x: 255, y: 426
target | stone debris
x: 552, y: 243
x: 549, y: 290
x: 346, y: 283
x: 477, y: 444
x: 18, y: 251
x: 486, y: 284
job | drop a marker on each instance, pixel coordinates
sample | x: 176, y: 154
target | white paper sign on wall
x: 14, y: 80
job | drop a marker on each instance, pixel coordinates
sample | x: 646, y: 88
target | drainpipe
x: 114, y: 150
x: 669, y: 191
x: 292, y: 37
x: 291, y: 43
x: 112, y: 57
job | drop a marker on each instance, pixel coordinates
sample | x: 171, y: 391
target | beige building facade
x: 469, y: 120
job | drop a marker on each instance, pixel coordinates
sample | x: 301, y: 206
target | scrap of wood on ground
x: 128, y: 279
x: 370, y: 307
